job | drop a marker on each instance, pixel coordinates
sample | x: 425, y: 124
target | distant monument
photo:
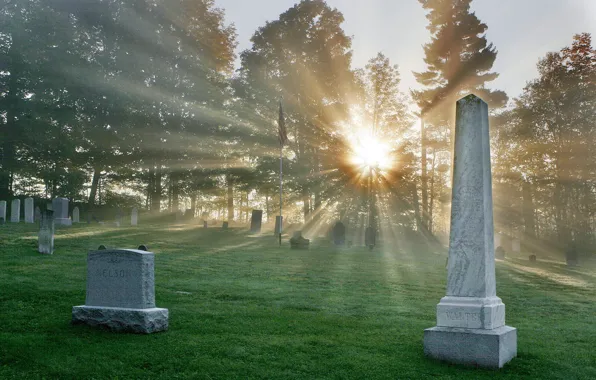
x: 134, y: 217
x: 45, y: 237
x: 60, y: 207
x: 37, y: 214
x: 75, y: 215
x: 255, y: 221
x: 224, y: 225
x: 299, y: 242
x: 29, y: 212
x: 121, y: 292
x: 339, y: 234
x: 15, y: 211
x: 471, y: 318
x: 3, y: 210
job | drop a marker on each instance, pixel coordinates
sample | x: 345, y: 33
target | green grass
x: 241, y: 307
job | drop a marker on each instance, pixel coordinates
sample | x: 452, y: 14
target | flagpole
x: 281, y: 148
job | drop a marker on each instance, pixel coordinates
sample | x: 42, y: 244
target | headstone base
x: 141, y: 321
x: 477, y: 347
x: 63, y: 222
x: 471, y: 312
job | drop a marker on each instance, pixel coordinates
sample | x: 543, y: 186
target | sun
x: 370, y: 153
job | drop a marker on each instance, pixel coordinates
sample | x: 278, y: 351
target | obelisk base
x: 477, y: 347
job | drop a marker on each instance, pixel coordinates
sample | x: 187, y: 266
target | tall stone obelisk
x: 471, y: 318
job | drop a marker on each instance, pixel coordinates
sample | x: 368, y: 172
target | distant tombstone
x: 121, y: 292
x: 60, y: 207
x: 189, y: 214
x: 339, y: 234
x: 15, y: 211
x: 532, y: 258
x: 224, y: 226
x: 3, y: 210
x: 500, y: 253
x: 37, y: 214
x: 370, y: 237
x: 255, y: 221
x: 297, y: 241
x: 143, y: 247
x: 118, y: 219
x: 516, y: 246
x: 75, y: 215
x: 45, y: 237
x: 2, y: 222
x: 278, y: 224
x: 29, y: 216
x: 571, y: 255
x: 498, y: 240
x: 205, y: 224
x: 134, y: 217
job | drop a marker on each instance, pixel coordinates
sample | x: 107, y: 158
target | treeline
x: 98, y: 97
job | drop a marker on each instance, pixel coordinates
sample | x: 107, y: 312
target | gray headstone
x: 29, y: 216
x: 471, y: 318
x: 75, y: 215
x: 118, y: 218
x: 37, y: 214
x: 45, y: 236
x: 339, y: 234
x: 255, y: 221
x: 134, y: 217
x: 15, y: 211
x: 225, y: 225
x: 60, y: 207
x: 3, y: 210
x: 516, y: 245
x: 121, y: 292
x: 278, y: 224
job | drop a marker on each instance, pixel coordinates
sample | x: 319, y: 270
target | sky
x: 523, y: 31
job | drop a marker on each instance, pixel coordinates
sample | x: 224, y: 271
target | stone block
x: 121, y: 292
x: 29, y: 211
x: 476, y: 347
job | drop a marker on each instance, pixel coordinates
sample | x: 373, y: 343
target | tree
x: 458, y: 62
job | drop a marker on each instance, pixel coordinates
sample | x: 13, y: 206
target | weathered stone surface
x: 500, y: 253
x: 134, y: 217
x: 29, y: 216
x: 45, y: 236
x: 120, y: 278
x: 471, y: 318
x: 15, y: 211
x: 278, y: 225
x: 37, y: 214
x: 76, y: 215
x: 255, y: 221
x: 60, y: 207
x: 482, y: 348
x: 121, y: 292
x: 3, y: 210
x: 141, y: 321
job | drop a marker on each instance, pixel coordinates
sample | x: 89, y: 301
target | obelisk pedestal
x: 471, y: 318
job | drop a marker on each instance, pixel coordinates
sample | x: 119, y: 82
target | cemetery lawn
x: 242, y: 307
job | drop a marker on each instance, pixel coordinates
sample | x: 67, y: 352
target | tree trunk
x: 94, y: 184
x: 175, y: 191
x: 528, y: 210
x: 423, y: 178
x: 432, y: 195
x: 156, y: 196
x: 230, y: 183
